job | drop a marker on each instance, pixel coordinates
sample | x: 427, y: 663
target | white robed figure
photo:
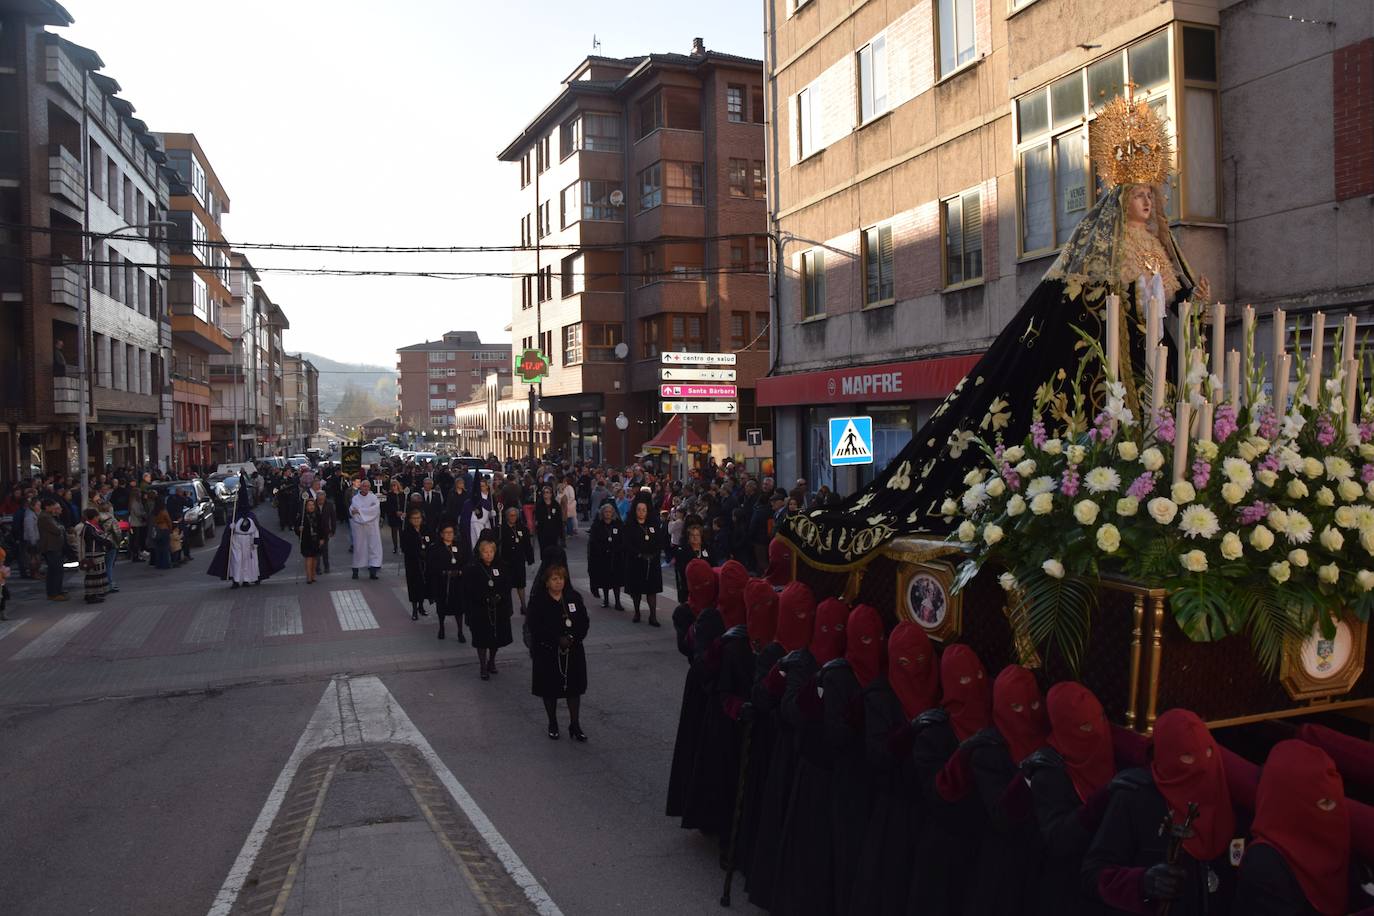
x: 364, y: 515
x: 243, y: 553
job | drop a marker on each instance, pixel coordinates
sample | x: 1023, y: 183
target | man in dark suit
x: 432, y: 501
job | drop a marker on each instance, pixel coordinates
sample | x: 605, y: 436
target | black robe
x: 762, y: 883
x: 1267, y: 886
x: 444, y: 573
x: 728, y: 668
x: 486, y: 605
x: 691, y: 715
x: 548, y: 525
x: 514, y: 554
x: 688, y: 761
x: 851, y: 792
x: 641, y: 547
x: 1009, y: 851
x: 273, y: 551
x: 882, y: 880
x: 947, y: 841
x: 558, y: 672
x: 763, y: 732
x: 1063, y: 838
x: 605, y: 561
x: 1128, y: 839
x: 414, y: 546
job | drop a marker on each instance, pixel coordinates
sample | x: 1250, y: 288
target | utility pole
x: 538, y: 284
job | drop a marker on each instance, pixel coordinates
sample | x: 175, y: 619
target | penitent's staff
x: 731, y: 856
x: 1177, y: 834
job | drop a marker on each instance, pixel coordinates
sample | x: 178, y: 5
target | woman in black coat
x: 642, y: 543
x: 514, y: 553
x: 548, y: 523
x: 415, y: 543
x: 605, y: 561
x: 486, y: 605
x: 693, y: 547
x: 394, y: 511
x: 558, y: 624
x: 443, y: 574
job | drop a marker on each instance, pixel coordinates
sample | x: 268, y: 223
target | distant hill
x: 336, y: 378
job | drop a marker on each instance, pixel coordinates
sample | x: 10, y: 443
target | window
x: 760, y: 263
x: 591, y: 131
x: 813, y: 282
x: 877, y: 254
x: 567, y: 205
x: 686, y: 333
x: 437, y: 356
x: 544, y: 157
x: 739, y: 255
x: 962, y: 219
x: 756, y: 105
x: 649, y: 266
x: 807, y: 108
x: 526, y: 292
x: 96, y: 172
x: 956, y: 34
x: 649, y: 113
x: 739, y: 330
x: 1200, y: 140
x: 544, y: 227
x: 525, y: 170
x: 526, y: 238
x: 651, y: 187
x: 760, y: 180
x: 650, y: 337
x: 596, y: 199
x: 112, y: 184
x: 546, y: 283
x: 573, y: 281
x: 872, y: 79
x: 601, y: 340
x: 684, y: 183
x: 572, y: 344
x: 739, y: 177
x: 546, y: 344
x: 734, y: 103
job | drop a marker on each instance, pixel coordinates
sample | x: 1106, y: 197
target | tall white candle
x: 1160, y: 382
x: 1233, y: 377
x: 1348, y: 339
x: 1181, y: 422
x: 1219, y: 340
x: 1204, y: 425
x: 1282, y: 367
x: 1280, y: 343
x: 1113, y: 338
x: 1181, y: 341
x: 1314, y: 359
x: 1152, y: 326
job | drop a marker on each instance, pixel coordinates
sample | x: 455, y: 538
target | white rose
x: 1076, y: 454
x: 1367, y: 540
x: 1231, y: 547
x: 1194, y: 561
x: 1331, y: 539
x: 974, y: 476
x: 1013, y: 454
x: 1085, y: 510
x: 1052, y: 447
x: 1330, y: 573
x: 1350, y: 490
x: 1247, y: 451
x: 1152, y: 459
x: 1207, y: 450
x: 1127, y: 506
x: 1296, y: 489
x: 1261, y: 538
x: 1367, y: 451
x: 1128, y: 451
x: 1232, y: 492
x: 949, y: 507
x: 1267, y: 477
x: 1369, y: 490
x: 1042, y: 504
x: 992, y: 534
x: 1366, y: 579
x: 1278, y: 520
x: 1345, y: 517
x: 1016, y: 505
x: 1325, y: 497
x: 1183, y: 492
x: 1007, y: 581
x: 1053, y: 568
x: 996, y: 487
x: 1259, y: 444
x: 967, y: 532
x: 1108, y: 538
x: 1298, y: 557
x: 1280, y: 571
x: 1162, y: 509
x: 1025, y: 468
x: 1312, y: 467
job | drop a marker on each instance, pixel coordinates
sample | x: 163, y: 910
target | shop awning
x: 670, y: 437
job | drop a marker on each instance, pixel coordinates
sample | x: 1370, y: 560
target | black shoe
x: 441, y: 634
x: 577, y: 733
x: 605, y: 603
x: 619, y: 606
x: 484, y: 675
x: 461, y: 637
x: 553, y: 731
x: 372, y: 575
x: 233, y: 585
x: 653, y: 621
x: 636, y: 620
x: 423, y: 612
x: 414, y: 615
x: 355, y: 574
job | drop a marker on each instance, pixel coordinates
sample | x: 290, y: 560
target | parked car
x: 200, y: 517
x: 298, y: 462
x: 314, y: 455
x: 273, y: 461
x: 223, y: 488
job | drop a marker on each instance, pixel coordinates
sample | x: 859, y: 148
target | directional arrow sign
x: 698, y: 391
x: 697, y: 375
x: 675, y: 358
x: 697, y: 406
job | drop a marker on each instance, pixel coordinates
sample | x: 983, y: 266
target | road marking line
x: 352, y: 610
x: 210, y: 623
x: 9, y: 626
x: 361, y: 710
x: 282, y: 616
x: 56, y: 636
x: 133, y: 631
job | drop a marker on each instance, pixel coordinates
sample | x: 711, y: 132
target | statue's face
x: 1140, y: 204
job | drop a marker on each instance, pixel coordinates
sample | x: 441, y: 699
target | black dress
x: 548, y: 526
x: 514, y: 554
x: 683, y: 556
x: 415, y: 545
x: 1064, y: 838
x: 605, y: 561
x: 558, y: 672
x: 486, y: 606
x: 444, y: 573
x: 641, y: 547
x: 395, y: 509
x: 311, y: 532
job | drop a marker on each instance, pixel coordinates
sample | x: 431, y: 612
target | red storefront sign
x: 917, y: 380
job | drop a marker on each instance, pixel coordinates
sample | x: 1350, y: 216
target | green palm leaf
x: 1060, y: 614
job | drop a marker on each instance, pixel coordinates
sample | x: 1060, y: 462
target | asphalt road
x: 140, y: 740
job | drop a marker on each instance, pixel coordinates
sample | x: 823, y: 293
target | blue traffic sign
x: 851, y: 441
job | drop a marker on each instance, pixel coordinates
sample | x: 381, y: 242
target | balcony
x: 65, y: 176
x: 66, y: 285
x: 66, y: 396
x: 669, y: 295
x: 61, y: 72
x: 191, y: 329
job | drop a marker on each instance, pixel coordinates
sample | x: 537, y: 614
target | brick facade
x: 1352, y: 96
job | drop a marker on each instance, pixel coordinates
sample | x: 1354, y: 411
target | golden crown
x: 1130, y: 143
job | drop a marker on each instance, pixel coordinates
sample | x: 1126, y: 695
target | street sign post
x: 697, y: 375
x: 698, y: 391
x: 698, y: 407
x: 851, y: 441
x: 677, y: 358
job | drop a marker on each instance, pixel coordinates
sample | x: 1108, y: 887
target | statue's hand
x: 1203, y: 291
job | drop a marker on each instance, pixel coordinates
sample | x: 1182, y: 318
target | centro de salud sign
x: 532, y: 366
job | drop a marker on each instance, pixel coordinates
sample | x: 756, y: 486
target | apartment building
x: 236, y: 378
x: 641, y: 209
x: 301, y: 397
x: 496, y: 421
x: 928, y: 157
x: 82, y: 189
x: 198, y: 294
x: 436, y: 376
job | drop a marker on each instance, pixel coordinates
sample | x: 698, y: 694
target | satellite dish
x: 617, y: 198
x: 622, y: 350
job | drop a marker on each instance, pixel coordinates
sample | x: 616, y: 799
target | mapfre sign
x: 906, y: 381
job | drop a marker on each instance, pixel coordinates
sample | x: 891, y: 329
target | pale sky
x: 350, y: 122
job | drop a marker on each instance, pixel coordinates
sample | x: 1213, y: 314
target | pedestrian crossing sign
x: 851, y: 441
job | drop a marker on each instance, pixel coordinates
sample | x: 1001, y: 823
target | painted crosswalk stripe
x: 56, y: 636
x: 282, y: 617
x: 133, y: 631
x: 210, y: 623
x: 9, y: 626
x: 352, y: 610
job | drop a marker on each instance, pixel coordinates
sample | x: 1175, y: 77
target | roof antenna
x: 596, y: 43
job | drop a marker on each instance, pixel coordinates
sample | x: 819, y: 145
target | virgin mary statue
x: 1119, y: 247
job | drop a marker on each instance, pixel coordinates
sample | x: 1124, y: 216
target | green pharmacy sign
x: 532, y: 366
